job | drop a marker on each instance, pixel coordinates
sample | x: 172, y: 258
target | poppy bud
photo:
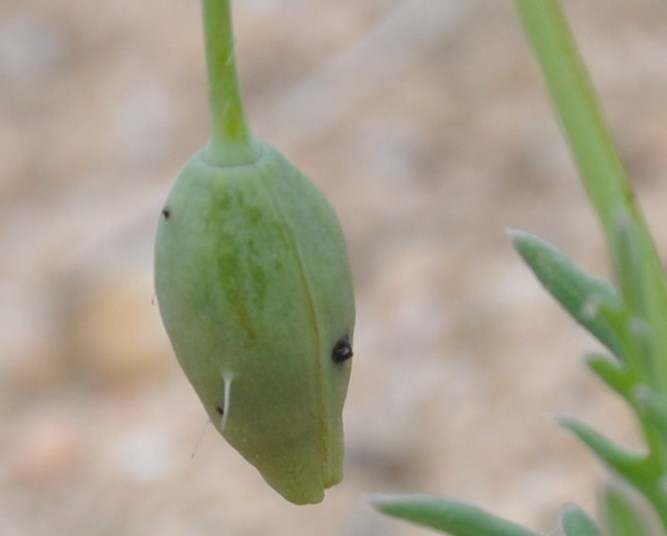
x: 254, y: 288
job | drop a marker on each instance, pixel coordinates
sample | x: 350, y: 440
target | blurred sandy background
x: 426, y: 123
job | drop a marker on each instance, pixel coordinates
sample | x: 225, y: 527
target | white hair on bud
x: 227, y: 379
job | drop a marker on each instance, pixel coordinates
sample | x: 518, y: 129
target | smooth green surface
x: 455, y: 518
x: 254, y: 286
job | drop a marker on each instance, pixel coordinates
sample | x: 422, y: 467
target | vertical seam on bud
x: 322, y: 436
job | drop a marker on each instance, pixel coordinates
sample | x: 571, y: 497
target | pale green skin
x: 253, y: 283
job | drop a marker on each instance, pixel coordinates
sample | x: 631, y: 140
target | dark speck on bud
x: 166, y: 212
x: 342, y: 350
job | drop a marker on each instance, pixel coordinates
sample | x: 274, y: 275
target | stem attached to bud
x: 231, y: 143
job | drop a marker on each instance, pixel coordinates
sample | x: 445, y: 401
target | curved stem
x: 231, y: 142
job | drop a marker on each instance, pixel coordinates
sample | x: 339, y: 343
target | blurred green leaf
x: 455, y: 518
x: 576, y: 522
x: 626, y: 463
x: 616, y: 376
x: 653, y: 407
x: 642, y: 287
x: 592, y: 301
x: 623, y: 516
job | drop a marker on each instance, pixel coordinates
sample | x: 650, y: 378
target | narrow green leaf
x: 576, y: 522
x: 624, y: 462
x: 592, y: 301
x: 652, y: 406
x: 455, y: 518
x: 623, y: 515
x: 612, y: 374
x: 628, y: 263
x: 642, y: 286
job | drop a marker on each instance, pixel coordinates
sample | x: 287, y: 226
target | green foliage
x: 592, y: 301
x: 629, y: 317
x: 456, y: 518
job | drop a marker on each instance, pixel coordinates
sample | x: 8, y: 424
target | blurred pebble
x: 43, y: 450
x: 31, y: 48
x: 112, y: 330
x: 143, y: 456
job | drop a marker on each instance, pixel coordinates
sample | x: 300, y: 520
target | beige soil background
x: 426, y: 124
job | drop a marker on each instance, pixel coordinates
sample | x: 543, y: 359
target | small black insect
x: 220, y: 410
x: 166, y: 212
x: 342, y: 350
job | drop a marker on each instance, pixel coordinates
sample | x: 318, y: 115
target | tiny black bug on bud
x: 342, y: 351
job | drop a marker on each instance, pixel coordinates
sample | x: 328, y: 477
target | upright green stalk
x: 590, y: 141
x: 604, y: 176
x: 630, y: 321
x: 638, y: 268
x: 231, y: 142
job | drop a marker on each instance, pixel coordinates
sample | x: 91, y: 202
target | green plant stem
x: 590, y: 141
x: 601, y: 169
x: 637, y: 264
x: 231, y: 142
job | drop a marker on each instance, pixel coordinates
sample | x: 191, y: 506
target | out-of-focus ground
x: 426, y: 124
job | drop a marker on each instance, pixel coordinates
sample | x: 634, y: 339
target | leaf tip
x: 517, y: 236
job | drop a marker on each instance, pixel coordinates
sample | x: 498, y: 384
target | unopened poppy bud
x: 254, y: 288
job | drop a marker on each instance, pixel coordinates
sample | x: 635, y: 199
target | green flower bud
x: 254, y: 288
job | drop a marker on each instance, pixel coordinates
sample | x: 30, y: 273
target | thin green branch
x: 601, y: 169
x: 638, y: 268
x: 231, y: 142
x: 590, y: 141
